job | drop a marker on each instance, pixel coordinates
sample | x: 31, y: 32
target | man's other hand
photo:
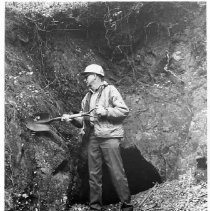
x: 101, y: 111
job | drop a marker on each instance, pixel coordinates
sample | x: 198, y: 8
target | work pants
x: 109, y: 150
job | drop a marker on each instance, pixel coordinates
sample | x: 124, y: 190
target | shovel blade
x: 37, y: 127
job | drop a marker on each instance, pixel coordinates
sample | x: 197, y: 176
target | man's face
x: 89, y: 79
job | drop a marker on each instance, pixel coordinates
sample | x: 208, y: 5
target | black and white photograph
x: 105, y: 106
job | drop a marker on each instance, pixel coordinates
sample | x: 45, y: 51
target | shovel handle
x: 80, y: 114
x: 56, y: 118
x: 59, y: 118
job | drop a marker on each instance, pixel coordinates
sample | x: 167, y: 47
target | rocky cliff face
x: 162, y: 77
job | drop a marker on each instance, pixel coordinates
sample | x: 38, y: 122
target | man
x: 103, y: 131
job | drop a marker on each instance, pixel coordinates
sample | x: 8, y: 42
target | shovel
x: 37, y: 127
x: 42, y: 125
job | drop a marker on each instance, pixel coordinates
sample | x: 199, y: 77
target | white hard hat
x: 94, y: 68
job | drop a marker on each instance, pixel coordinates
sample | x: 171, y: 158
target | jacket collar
x: 103, y: 84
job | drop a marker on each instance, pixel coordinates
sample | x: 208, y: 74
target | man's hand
x: 101, y: 111
x: 66, y: 117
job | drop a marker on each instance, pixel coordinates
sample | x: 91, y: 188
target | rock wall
x: 168, y: 119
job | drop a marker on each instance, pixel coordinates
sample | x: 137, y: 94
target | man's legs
x: 112, y: 157
x: 95, y: 174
